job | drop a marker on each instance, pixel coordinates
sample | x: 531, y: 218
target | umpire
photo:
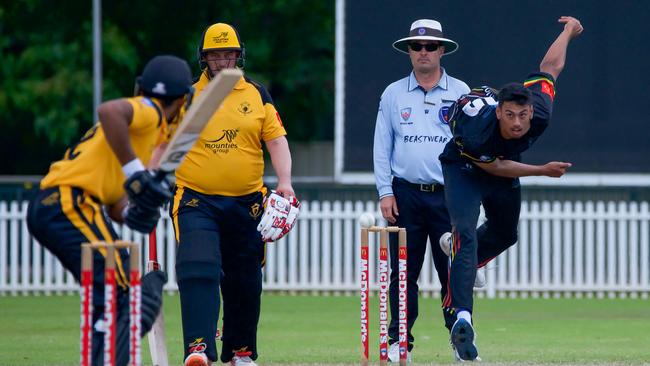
x: 411, y: 131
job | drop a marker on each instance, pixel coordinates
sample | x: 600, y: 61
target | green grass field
x: 43, y: 330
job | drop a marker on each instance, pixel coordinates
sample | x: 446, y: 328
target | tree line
x: 46, y: 69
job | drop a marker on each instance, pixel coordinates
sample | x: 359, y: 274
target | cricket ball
x: 366, y: 220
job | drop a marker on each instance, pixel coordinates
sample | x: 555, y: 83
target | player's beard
x: 212, y: 72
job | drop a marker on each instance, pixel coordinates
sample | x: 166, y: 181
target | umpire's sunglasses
x: 430, y: 47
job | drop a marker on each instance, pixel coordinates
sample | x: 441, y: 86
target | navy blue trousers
x: 423, y: 215
x: 63, y: 218
x: 220, y: 255
x: 467, y: 187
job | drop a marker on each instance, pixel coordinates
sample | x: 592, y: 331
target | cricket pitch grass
x: 324, y: 330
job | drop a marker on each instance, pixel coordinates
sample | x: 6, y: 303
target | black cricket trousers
x: 467, y: 187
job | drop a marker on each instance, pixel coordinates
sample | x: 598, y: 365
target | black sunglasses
x: 430, y: 47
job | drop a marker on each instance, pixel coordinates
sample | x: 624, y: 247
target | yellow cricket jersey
x: 91, y: 164
x: 227, y: 159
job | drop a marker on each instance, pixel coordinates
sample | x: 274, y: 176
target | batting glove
x: 279, y: 216
x: 140, y: 219
x: 147, y: 191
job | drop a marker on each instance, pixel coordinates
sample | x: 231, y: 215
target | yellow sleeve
x: 272, y: 127
x: 142, y: 115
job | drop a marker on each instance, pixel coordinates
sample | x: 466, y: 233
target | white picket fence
x: 565, y: 249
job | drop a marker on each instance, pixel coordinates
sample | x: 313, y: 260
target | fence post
x: 564, y: 248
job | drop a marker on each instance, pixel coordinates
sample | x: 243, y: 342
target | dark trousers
x: 467, y: 187
x: 423, y: 215
x: 220, y: 254
x: 63, y: 218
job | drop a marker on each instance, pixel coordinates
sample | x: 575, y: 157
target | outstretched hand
x: 556, y: 169
x: 571, y: 25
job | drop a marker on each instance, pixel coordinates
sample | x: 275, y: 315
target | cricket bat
x: 196, y: 117
x: 195, y: 120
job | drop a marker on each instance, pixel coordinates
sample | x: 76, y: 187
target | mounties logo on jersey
x: 443, y: 114
x: 218, y: 146
x: 405, y: 113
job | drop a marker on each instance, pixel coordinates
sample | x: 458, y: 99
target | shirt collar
x: 156, y: 104
x: 203, y: 82
x: 443, y: 83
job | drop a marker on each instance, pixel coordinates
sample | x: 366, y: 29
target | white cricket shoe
x: 393, y: 353
x: 242, y: 360
x: 196, y: 359
x: 454, y: 352
x: 457, y: 356
x: 445, y: 244
x: 462, y: 341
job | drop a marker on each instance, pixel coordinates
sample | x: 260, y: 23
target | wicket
x: 383, y: 293
x: 110, y: 302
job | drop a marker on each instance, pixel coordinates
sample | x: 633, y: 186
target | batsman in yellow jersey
x: 218, y: 204
x: 94, y: 178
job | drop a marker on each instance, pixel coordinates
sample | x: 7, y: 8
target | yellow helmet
x: 221, y: 36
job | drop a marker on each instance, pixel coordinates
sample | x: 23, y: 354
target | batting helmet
x: 221, y: 37
x: 166, y: 76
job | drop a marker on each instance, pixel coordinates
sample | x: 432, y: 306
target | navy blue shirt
x: 475, y: 127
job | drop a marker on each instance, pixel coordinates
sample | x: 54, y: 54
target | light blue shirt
x: 411, y: 131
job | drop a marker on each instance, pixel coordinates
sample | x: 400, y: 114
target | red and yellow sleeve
x: 541, y: 82
x: 272, y: 126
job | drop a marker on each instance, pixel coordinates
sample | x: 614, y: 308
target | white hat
x: 426, y: 30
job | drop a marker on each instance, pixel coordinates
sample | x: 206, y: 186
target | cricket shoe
x: 196, y: 359
x: 393, y: 353
x: 445, y: 244
x: 242, y: 359
x: 457, y: 356
x: 462, y: 341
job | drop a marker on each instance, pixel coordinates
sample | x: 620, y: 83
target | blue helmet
x: 166, y: 77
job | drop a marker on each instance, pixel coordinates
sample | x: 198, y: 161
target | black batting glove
x: 147, y: 191
x: 141, y: 220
